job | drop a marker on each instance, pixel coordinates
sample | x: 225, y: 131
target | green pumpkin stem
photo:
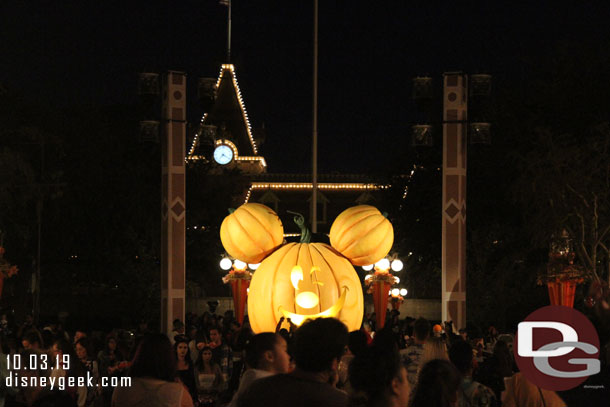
x: 231, y: 210
x: 300, y: 221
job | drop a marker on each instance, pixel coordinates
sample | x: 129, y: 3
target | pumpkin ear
x: 251, y: 232
x: 362, y: 234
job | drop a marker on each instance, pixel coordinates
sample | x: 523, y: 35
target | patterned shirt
x: 411, y: 357
x: 474, y: 394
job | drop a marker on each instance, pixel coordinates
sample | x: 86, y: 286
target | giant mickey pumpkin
x: 251, y: 232
x: 362, y: 234
x: 301, y: 281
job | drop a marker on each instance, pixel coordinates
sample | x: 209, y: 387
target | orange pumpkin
x: 251, y: 232
x: 362, y: 234
x: 302, y: 281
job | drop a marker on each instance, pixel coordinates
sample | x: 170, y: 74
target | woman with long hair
x: 208, y: 378
x: 153, y: 377
x: 184, y: 364
x: 434, y: 348
x: 437, y: 385
x: 82, y: 349
x: 109, y: 360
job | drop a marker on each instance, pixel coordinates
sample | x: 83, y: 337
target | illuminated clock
x: 223, y: 154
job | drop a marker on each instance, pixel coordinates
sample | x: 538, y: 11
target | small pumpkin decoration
x: 251, y: 232
x: 362, y: 234
x: 302, y: 281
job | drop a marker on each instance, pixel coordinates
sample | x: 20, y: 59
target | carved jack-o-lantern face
x: 309, y: 299
x: 301, y: 281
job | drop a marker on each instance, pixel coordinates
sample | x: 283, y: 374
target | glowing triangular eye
x: 296, y: 275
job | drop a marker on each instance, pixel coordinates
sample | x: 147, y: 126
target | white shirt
x: 247, y: 379
x: 148, y: 392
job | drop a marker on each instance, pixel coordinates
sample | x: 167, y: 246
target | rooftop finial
x: 227, y: 3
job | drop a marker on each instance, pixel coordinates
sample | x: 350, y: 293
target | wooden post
x: 173, y: 200
x: 455, y: 115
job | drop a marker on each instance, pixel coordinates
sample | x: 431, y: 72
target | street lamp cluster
x: 385, y: 264
x: 398, y: 291
x: 226, y: 264
x: 379, y: 283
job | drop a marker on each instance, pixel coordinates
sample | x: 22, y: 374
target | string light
x: 231, y: 68
x: 305, y: 185
x: 235, y: 154
x: 196, y: 139
x: 248, y: 194
x: 308, y: 185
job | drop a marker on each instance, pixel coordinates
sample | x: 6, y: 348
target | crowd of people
x: 213, y: 361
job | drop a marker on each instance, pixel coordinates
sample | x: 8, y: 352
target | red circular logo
x: 557, y: 348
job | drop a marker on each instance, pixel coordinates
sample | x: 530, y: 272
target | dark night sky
x: 84, y: 52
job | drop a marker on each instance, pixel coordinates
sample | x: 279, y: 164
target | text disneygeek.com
x: 16, y: 380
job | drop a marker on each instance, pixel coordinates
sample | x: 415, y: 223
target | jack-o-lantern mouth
x: 333, y: 311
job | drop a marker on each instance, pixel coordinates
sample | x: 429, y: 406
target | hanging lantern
x: 422, y: 87
x: 480, y: 85
x: 149, y: 131
x: 421, y: 135
x: 479, y: 133
x: 148, y: 83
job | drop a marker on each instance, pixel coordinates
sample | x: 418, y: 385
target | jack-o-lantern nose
x: 307, y: 299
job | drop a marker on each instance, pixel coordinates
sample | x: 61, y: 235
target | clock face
x: 223, y: 154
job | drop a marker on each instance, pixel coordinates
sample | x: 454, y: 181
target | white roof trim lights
x: 242, y: 105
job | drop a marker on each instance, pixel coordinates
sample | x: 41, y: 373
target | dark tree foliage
x: 415, y: 198
x: 96, y: 189
x: 210, y: 192
x: 102, y: 249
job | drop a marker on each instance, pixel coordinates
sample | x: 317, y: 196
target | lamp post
x: 461, y: 92
x: 562, y: 275
x: 379, y: 284
x: 239, y: 276
x: 397, y: 297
